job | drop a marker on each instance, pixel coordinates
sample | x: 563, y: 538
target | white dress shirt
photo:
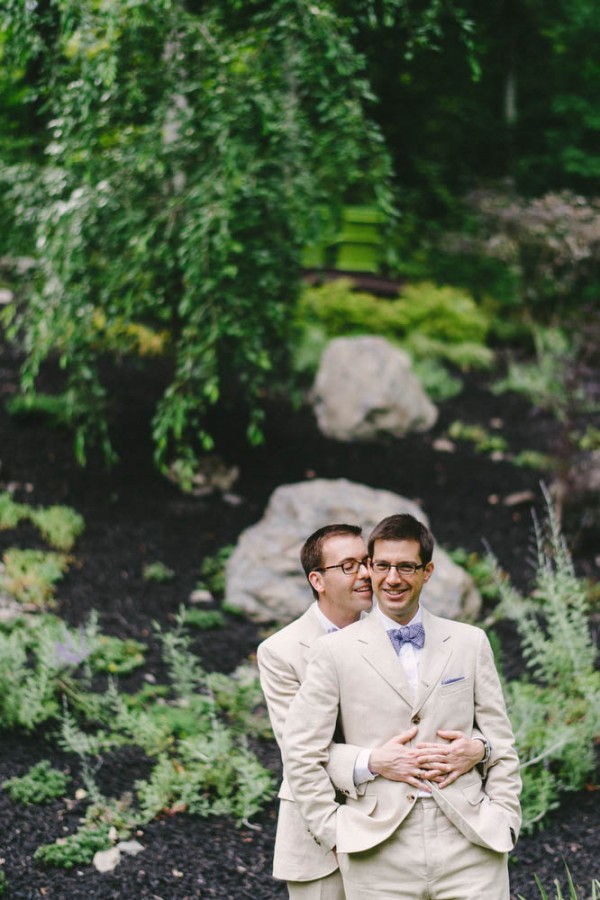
x: 409, y: 658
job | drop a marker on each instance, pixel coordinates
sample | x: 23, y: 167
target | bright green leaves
x: 190, y: 154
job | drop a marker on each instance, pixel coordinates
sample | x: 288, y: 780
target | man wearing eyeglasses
x: 335, y: 562
x: 403, y: 667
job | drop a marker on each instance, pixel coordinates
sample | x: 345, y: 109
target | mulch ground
x: 134, y: 517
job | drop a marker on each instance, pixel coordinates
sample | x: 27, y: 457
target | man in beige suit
x: 334, y: 559
x: 409, y: 838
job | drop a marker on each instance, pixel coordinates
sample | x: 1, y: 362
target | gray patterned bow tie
x: 410, y: 634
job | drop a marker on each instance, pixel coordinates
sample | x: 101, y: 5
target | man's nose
x: 394, y: 575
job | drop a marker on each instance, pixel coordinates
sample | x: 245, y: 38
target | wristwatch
x: 487, y: 749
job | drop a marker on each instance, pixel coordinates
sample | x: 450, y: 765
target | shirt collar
x: 390, y: 624
x: 327, y: 625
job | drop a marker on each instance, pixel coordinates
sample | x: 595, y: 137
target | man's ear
x: 316, y: 581
x: 428, y: 571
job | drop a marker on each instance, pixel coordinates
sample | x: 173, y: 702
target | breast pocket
x: 456, y: 685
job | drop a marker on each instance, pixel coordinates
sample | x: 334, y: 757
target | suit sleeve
x: 308, y: 732
x: 280, y: 683
x: 503, y: 781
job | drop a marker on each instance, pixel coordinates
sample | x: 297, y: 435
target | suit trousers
x: 427, y: 858
x: 328, y: 888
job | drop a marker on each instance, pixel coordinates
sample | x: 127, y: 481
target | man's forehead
x: 396, y: 549
x: 345, y: 545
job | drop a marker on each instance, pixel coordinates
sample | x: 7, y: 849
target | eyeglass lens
x: 402, y: 568
x: 351, y: 566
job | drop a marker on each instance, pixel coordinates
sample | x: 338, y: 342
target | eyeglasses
x: 348, y: 567
x: 405, y: 568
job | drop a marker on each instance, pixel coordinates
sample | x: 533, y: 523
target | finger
x: 420, y: 784
x: 450, y: 735
x: 404, y: 736
x: 449, y: 779
x: 436, y: 775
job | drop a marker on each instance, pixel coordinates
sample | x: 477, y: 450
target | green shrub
x: 11, y: 513
x: 204, y: 619
x: 555, y: 709
x: 60, y: 526
x: 481, y: 570
x: 193, y: 730
x: 446, y: 314
x: 40, y: 784
x: 438, y: 383
x: 212, y: 571
x: 117, y: 656
x: 548, y: 243
x: 158, y: 571
x: 30, y: 575
x: 430, y: 322
x: 59, y: 409
x: 211, y: 775
x: 533, y: 459
x: 240, y: 699
x: 546, y: 381
x: 482, y: 440
x: 77, y: 849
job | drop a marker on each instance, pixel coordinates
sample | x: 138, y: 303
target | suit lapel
x: 379, y: 653
x: 311, y: 630
x: 434, y: 656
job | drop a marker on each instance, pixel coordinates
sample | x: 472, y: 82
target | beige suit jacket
x: 355, y: 678
x: 282, y: 663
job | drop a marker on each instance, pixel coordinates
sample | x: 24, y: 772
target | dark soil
x: 134, y: 517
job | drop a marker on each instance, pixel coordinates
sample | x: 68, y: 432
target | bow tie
x: 411, y: 634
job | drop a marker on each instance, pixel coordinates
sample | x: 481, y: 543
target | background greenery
x: 166, y: 167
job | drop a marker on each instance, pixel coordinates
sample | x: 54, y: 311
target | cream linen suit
x: 356, y: 680
x: 282, y: 663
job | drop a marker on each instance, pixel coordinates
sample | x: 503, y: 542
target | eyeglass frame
x: 412, y: 568
x: 360, y: 562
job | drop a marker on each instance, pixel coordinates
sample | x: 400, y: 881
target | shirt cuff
x: 362, y: 773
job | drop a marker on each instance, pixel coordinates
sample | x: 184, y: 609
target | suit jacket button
x: 415, y: 720
x: 410, y: 797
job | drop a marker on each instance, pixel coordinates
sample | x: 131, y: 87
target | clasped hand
x: 441, y: 762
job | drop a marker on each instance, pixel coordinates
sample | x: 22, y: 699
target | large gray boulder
x: 365, y: 388
x: 264, y: 578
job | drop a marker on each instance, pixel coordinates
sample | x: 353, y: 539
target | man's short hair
x: 404, y: 527
x: 311, y: 555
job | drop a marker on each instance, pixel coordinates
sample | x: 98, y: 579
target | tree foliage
x: 188, y: 155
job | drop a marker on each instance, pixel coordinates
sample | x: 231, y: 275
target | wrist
x: 372, y: 763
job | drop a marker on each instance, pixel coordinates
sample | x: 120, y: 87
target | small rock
x: 107, y: 860
x: 200, y: 595
x: 518, y: 497
x: 444, y: 445
x: 131, y: 848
